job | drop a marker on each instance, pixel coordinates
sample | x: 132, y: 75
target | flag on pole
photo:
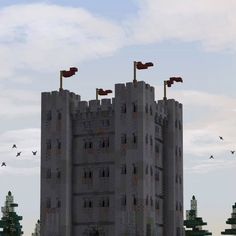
x: 172, y: 79
x: 176, y: 79
x: 102, y: 92
x: 169, y: 83
x: 141, y: 66
x: 70, y: 72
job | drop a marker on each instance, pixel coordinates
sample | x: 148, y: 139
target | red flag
x: 176, y: 79
x: 70, y: 72
x: 102, y: 92
x: 169, y: 83
x: 141, y: 66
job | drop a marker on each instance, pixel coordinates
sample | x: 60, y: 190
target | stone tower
x: 111, y: 166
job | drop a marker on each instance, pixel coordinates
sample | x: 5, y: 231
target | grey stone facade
x: 112, y: 167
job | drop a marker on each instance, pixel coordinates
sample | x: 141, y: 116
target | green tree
x: 194, y: 222
x: 231, y: 221
x: 10, y: 220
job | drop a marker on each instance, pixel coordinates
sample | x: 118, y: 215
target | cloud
x: 19, y: 103
x: 62, y: 37
x: 210, y: 165
x: 210, y: 22
x: 26, y: 141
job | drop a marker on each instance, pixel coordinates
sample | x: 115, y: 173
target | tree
x: 231, y: 221
x: 10, y: 220
x: 37, y: 229
x: 194, y: 222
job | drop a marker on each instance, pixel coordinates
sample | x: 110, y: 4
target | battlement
x: 62, y: 93
x: 130, y: 87
x: 105, y: 104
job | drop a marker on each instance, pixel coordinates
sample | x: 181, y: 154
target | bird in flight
x: 232, y: 152
x: 3, y: 164
x: 211, y: 157
x: 14, y: 146
x: 221, y: 138
x: 18, y: 154
x: 34, y: 153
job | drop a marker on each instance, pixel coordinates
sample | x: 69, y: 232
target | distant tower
x: 231, y: 221
x: 194, y: 222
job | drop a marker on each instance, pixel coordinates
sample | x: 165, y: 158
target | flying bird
x: 221, y: 137
x: 3, y: 164
x: 14, y: 146
x: 18, y: 154
x: 211, y: 157
x: 232, y: 152
x: 34, y: 153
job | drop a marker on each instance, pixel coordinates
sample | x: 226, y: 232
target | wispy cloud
x: 210, y: 22
x: 19, y: 103
x: 63, y: 35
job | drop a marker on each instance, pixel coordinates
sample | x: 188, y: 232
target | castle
x: 111, y: 167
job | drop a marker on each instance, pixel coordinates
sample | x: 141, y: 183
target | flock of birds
x: 221, y: 138
x: 17, y: 154
x: 35, y: 152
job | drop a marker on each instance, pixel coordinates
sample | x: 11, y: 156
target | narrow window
x: 134, y: 107
x: 49, y: 115
x: 151, y: 140
x: 58, y: 144
x: 146, y: 108
x: 123, y: 200
x: 176, y: 178
x: 151, y: 110
x: 48, y: 174
x: 151, y: 201
x: 147, y: 200
x: 134, y: 200
x: 58, y: 115
x: 134, y: 138
x: 58, y: 174
x: 146, y: 170
x: 157, y: 175
x: 146, y: 138
x: 156, y: 148
x: 48, y: 203
x: 107, y: 172
x: 123, y: 108
x: 123, y: 139
x: 123, y: 169
x: 49, y: 144
x: 151, y: 172
x: 134, y: 169
x: 58, y: 203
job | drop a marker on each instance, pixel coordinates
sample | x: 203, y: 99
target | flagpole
x: 96, y: 93
x: 60, y: 80
x: 165, y: 82
x: 134, y: 81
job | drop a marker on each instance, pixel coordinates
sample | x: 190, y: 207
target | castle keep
x: 111, y: 167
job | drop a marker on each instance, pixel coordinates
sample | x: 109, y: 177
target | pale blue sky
x: 192, y: 39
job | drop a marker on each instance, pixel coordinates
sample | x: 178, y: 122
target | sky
x: 192, y: 39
